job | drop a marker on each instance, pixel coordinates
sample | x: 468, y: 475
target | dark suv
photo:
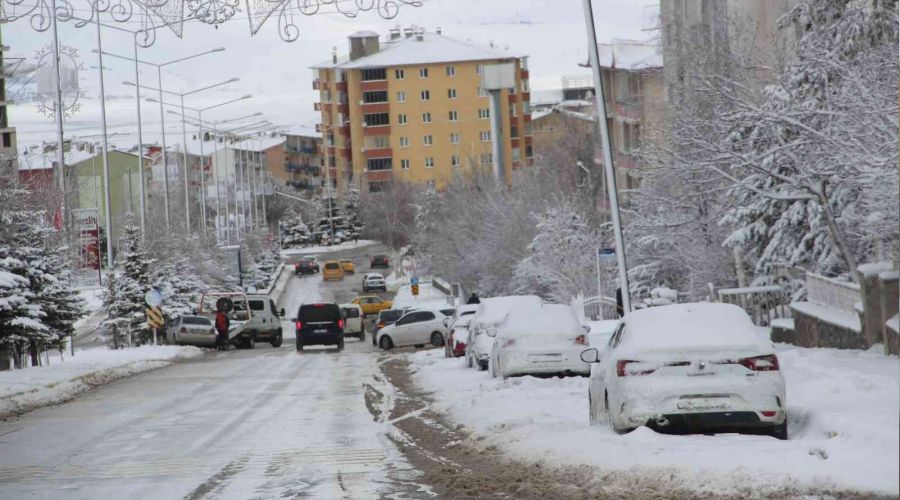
x: 319, y: 324
x: 379, y: 261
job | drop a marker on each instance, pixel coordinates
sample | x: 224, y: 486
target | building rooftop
x: 303, y: 131
x: 630, y: 55
x: 432, y: 48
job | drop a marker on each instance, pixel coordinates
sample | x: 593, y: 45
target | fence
x: 597, y: 308
x: 830, y: 292
x: 762, y: 303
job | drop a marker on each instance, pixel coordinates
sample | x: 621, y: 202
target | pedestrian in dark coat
x: 222, y: 324
x: 473, y: 299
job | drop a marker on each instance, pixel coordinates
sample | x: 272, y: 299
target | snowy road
x: 262, y: 423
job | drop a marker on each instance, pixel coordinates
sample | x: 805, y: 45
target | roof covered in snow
x: 303, y: 131
x: 549, y: 319
x: 692, y: 327
x: 495, y: 309
x: 630, y: 55
x: 433, y: 48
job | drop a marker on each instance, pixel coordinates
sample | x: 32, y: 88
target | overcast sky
x: 277, y: 73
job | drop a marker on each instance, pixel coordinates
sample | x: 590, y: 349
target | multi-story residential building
x: 412, y: 108
x: 304, y: 160
x: 7, y: 134
x: 635, y: 106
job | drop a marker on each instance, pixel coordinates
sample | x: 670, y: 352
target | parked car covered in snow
x: 688, y: 367
x: 490, y: 313
x: 458, y: 330
x: 416, y: 327
x: 544, y: 341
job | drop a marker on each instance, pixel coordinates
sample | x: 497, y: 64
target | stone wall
x: 813, y: 331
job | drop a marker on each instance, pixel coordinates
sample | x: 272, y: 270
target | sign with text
x: 87, y: 227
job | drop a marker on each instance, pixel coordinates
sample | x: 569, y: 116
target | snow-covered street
x: 842, y: 405
x: 262, y: 423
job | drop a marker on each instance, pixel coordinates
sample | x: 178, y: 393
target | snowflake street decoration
x: 172, y: 14
x: 44, y: 85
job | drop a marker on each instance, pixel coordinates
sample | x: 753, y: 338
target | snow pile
x: 347, y: 245
x: 842, y: 404
x: 29, y: 388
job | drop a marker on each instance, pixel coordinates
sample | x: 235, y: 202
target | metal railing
x: 762, y: 303
x: 597, y: 308
x: 835, y: 294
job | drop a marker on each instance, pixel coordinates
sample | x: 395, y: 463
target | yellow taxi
x: 332, y: 271
x: 372, y: 304
x: 348, y: 266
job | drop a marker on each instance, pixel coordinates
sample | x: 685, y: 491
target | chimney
x: 394, y: 34
x: 363, y: 43
x: 407, y: 32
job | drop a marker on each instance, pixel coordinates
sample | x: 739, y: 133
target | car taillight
x: 340, y: 323
x: 622, y: 369
x: 183, y: 330
x: 299, y: 325
x: 581, y: 340
x: 766, y: 363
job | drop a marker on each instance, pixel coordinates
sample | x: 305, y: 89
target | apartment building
x: 304, y: 160
x: 411, y: 108
x: 7, y: 134
x: 635, y: 108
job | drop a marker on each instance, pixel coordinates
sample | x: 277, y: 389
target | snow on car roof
x: 495, y: 309
x: 549, y: 319
x: 706, y: 326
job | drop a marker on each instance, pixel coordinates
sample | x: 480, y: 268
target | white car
x: 354, y: 326
x: 374, y: 282
x: 458, y: 330
x: 192, y: 330
x: 688, y: 367
x: 490, y: 313
x: 546, y: 340
x: 416, y: 327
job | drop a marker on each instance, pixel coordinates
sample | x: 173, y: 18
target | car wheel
x: 437, y: 339
x: 276, y: 342
x: 374, y: 339
x: 780, y: 431
x: 386, y: 343
x: 251, y: 342
x: 482, y: 365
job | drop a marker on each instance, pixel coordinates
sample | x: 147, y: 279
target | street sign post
x: 155, y: 319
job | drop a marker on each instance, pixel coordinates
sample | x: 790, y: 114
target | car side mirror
x: 491, y: 332
x: 591, y: 355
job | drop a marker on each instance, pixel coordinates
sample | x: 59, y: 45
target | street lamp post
x: 107, y: 212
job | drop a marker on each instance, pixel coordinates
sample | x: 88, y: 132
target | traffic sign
x: 415, y: 289
x: 414, y: 280
x: 154, y: 316
x: 606, y: 253
x: 153, y: 297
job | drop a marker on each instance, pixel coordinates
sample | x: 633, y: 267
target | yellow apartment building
x: 411, y: 107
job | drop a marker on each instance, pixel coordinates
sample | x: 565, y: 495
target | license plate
x: 545, y: 358
x: 704, y: 403
x: 321, y: 330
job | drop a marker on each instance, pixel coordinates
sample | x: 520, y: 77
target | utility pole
x: 607, y: 153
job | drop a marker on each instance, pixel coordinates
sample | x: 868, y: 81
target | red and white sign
x: 87, y: 224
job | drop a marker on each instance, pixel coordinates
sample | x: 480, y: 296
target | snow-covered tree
x: 123, y: 298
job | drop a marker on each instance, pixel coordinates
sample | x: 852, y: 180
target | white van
x: 354, y: 326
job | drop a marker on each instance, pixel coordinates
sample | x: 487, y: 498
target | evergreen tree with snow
x: 126, y: 286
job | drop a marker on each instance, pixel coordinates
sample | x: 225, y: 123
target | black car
x: 306, y: 266
x: 319, y: 324
x: 380, y: 261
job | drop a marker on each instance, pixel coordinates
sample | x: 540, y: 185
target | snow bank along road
x: 262, y: 423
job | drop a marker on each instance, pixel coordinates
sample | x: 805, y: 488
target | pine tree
x: 127, y: 284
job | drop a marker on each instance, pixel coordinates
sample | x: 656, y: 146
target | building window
x: 453, y: 116
x: 487, y: 159
x: 326, y: 96
x: 426, y: 117
x: 377, y: 119
x: 479, y: 68
x: 529, y: 128
x: 525, y: 86
x: 373, y: 74
x: 375, y: 96
x: 399, y: 74
x: 401, y: 96
x: 401, y: 119
x: 528, y: 151
x: 404, y: 142
x: 484, y: 113
x: 485, y: 136
x: 373, y: 164
x: 404, y: 164
x: 425, y: 95
x: 513, y: 132
x: 516, y: 154
x: 429, y: 162
x: 513, y: 110
x: 451, y: 71
x: 482, y: 92
x: 454, y: 161
x: 451, y: 93
x: 454, y: 138
x: 423, y: 72
x: 428, y: 140
x: 526, y: 107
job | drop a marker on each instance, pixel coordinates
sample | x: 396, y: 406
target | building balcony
x: 373, y: 85
x: 317, y: 106
x: 527, y: 118
x: 525, y: 96
x: 377, y: 130
x: 379, y: 153
x: 317, y: 84
x: 343, y: 108
x: 325, y: 107
x: 331, y: 151
x: 514, y: 142
x: 379, y: 175
x: 513, y: 97
x: 376, y: 107
x: 319, y: 128
x: 346, y: 153
x: 523, y: 74
x: 340, y: 86
x: 310, y: 150
x: 344, y: 131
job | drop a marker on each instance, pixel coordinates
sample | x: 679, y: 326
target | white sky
x: 277, y: 73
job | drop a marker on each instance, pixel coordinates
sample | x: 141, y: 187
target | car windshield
x: 332, y: 265
x: 351, y: 312
x: 318, y: 312
x: 195, y: 320
x: 390, y: 315
x: 257, y: 305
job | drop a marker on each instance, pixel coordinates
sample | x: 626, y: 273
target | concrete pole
x: 265, y: 183
x: 239, y: 193
x: 229, y: 167
x: 215, y: 167
x: 140, y: 151
x: 57, y: 97
x: 607, y: 154
x: 107, y: 212
x: 165, y: 157
x: 184, y: 159
x: 497, y: 135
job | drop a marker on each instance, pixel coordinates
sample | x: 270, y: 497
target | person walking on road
x: 222, y: 324
x: 473, y: 299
